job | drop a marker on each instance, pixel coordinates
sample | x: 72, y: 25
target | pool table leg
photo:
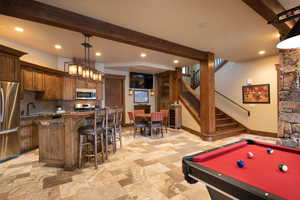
x: 216, y: 195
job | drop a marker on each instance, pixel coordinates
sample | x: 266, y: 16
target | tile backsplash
x: 41, y: 105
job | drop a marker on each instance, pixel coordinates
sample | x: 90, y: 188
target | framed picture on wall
x: 141, y: 96
x: 256, y: 94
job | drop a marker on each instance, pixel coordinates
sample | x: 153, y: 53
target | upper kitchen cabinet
x: 33, y: 80
x: 10, y: 64
x: 85, y: 84
x: 69, y: 88
x: 53, y: 87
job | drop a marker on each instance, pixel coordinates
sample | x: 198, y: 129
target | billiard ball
x: 240, y: 163
x: 283, y: 167
x: 270, y: 150
x: 250, y: 155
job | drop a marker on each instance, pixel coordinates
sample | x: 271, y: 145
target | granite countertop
x: 38, y: 115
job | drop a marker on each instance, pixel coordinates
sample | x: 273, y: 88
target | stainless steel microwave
x: 86, y: 94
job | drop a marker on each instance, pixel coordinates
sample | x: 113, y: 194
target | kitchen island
x: 59, y: 139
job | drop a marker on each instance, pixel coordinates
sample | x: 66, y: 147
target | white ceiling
x: 44, y: 37
x: 287, y: 4
x: 229, y: 28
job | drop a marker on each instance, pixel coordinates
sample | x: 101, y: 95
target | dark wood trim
x: 268, y: 10
x: 123, y: 77
x: 190, y: 109
x: 198, y: 133
x: 54, y: 16
x: 262, y: 133
x: 207, y: 96
x: 220, y: 66
x: 11, y: 51
x: 31, y: 66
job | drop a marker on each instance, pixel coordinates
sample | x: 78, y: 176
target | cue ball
x: 240, y: 163
x: 250, y: 155
x: 270, y: 150
x: 283, y: 167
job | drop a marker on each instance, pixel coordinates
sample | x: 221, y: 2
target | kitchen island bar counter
x: 59, y: 139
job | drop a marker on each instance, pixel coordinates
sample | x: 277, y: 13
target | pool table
x: 260, y: 178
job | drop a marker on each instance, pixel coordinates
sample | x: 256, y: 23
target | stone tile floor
x: 144, y: 169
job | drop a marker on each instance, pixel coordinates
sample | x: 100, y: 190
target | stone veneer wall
x: 289, y: 93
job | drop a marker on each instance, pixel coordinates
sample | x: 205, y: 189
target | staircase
x: 225, y: 125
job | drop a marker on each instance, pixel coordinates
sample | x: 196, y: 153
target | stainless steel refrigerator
x: 9, y: 120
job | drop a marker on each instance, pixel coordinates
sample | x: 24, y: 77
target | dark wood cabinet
x: 175, y: 119
x: 53, y: 87
x: 28, y: 135
x: 86, y: 84
x: 165, y: 89
x: 10, y: 64
x: 33, y: 80
x: 69, y: 88
x: 38, y: 81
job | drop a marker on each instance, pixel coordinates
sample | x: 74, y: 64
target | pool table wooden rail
x: 193, y: 172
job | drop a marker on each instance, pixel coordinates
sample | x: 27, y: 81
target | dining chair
x: 157, y: 123
x: 165, y: 118
x: 136, y: 124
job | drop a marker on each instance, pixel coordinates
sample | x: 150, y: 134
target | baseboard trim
x: 262, y: 133
x: 198, y: 133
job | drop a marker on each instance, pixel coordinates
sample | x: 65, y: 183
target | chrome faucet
x: 28, y: 108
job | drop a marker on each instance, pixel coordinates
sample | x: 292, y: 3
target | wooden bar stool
x: 110, y: 141
x: 91, y: 138
x: 118, y: 126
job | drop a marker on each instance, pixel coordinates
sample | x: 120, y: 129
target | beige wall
x: 229, y: 81
x: 188, y: 120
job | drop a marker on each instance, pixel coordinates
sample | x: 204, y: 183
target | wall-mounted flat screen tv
x: 141, y: 96
x: 141, y: 81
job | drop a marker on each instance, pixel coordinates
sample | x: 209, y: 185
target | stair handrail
x: 192, y: 92
x: 245, y: 109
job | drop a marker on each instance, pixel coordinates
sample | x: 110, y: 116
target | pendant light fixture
x: 84, y: 70
x: 292, y: 39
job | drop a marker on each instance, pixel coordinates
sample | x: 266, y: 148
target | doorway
x: 115, y: 92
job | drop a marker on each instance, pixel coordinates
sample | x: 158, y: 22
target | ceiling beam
x: 268, y: 10
x: 50, y: 15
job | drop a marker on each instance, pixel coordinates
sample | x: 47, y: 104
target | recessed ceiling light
x: 143, y: 55
x: 98, y: 54
x: 262, y: 52
x: 176, y: 61
x: 57, y: 46
x: 19, y: 29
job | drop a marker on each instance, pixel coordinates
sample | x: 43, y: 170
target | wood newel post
x: 207, y: 96
x: 177, y: 84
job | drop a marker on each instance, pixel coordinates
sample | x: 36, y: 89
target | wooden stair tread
x: 224, y: 118
x: 226, y: 124
x: 232, y: 130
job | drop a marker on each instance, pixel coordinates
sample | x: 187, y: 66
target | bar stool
x: 109, y: 131
x: 91, y: 138
x: 165, y: 118
x: 118, y: 126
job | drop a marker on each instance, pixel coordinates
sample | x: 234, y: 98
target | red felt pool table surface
x: 262, y: 170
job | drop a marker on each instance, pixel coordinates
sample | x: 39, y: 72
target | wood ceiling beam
x: 268, y: 9
x: 50, y: 15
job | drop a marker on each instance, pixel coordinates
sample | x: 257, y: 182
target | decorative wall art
x: 256, y: 94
